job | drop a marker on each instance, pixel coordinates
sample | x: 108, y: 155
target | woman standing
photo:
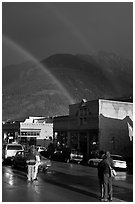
x: 31, y: 161
x: 37, y: 155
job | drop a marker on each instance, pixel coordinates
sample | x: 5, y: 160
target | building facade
x: 32, y: 131
x: 36, y: 131
x: 96, y: 125
x: 116, y: 126
x: 10, y: 131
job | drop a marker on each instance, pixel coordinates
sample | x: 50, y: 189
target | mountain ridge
x: 29, y: 90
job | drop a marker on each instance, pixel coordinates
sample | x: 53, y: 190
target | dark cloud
x: 69, y: 27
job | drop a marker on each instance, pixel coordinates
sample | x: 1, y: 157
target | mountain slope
x: 46, y: 89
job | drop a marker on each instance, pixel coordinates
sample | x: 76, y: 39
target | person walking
x: 31, y: 161
x: 37, y: 155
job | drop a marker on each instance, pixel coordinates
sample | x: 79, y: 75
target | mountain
x: 49, y: 87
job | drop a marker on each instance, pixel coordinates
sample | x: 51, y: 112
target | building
x: 97, y: 125
x: 32, y: 131
x: 36, y: 131
x: 10, y: 131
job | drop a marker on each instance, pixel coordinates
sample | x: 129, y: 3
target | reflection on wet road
x: 63, y: 182
x: 121, y: 176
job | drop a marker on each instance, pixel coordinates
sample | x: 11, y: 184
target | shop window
x: 81, y: 112
x: 85, y: 120
x: 85, y: 111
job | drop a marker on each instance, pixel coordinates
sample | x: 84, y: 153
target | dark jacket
x: 110, y: 161
x: 31, y: 159
x: 103, y: 167
x: 100, y: 169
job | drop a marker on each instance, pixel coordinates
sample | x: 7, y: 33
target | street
x: 63, y: 182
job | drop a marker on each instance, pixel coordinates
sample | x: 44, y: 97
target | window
x: 115, y: 157
x: 85, y: 120
x: 19, y: 153
x: 14, y: 147
x: 85, y: 111
x: 81, y: 121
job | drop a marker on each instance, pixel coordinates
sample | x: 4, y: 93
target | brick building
x: 97, y: 125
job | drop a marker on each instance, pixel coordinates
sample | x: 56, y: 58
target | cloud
x: 45, y: 28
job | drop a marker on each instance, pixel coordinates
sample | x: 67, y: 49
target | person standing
x: 107, y: 177
x: 37, y: 155
x: 101, y: 176
x: 31, y: 161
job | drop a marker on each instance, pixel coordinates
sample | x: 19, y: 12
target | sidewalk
x: 122, y: 182
x: 116, y: 183
x: 91, y: 185
x: 89, y: 191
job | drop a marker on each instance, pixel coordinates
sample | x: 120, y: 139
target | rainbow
x: 42, y: 67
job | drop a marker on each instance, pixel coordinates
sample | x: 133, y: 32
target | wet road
x: 62, y: 183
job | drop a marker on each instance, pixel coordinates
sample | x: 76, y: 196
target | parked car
x: 76, y: 156
x: 118, y: 161
x: 20, y: 158
x: 40, y: 149
x: 62, y: 155
x: 9, y: 150
x: 58, y: 156
x: 94, y: 161
x: 45, y: 154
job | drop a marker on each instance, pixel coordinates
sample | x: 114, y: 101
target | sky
x: 46, y: 28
